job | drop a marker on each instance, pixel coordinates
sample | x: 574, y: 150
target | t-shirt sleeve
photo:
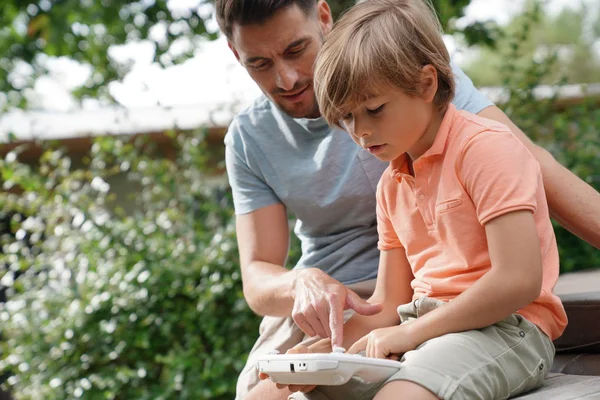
x: 388, y: 239
x: 466, y: 96
x: 499, y: 174
x: 249, y: 189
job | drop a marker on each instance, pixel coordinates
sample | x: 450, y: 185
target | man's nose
x: 286, y: 77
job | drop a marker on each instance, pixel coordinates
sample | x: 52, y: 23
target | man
x: 282, y: 157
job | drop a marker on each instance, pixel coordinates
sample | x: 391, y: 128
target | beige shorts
x: 504, y: 360
x: 276, y: 333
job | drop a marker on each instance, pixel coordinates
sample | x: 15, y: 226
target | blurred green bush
x: 104, y: 305
x: 568, y: 128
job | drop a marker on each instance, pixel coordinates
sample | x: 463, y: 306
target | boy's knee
x: 406, y: 390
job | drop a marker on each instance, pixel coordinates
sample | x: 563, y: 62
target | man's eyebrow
x: 295, y: 43
x: 252, y: 60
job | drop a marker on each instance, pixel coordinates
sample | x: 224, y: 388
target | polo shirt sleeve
x: 388, y: 239
x: 466, y: 96
x: 249, y: 189
x: 499, y: 174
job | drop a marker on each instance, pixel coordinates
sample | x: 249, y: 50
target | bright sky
x: 213, y: 78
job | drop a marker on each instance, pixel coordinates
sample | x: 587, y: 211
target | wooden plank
x: 582, y: 285
x: 566, y: 387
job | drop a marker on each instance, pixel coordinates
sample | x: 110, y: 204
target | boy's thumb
x: 361, y: 306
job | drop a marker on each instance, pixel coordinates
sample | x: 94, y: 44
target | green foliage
x: 104, y: 305
x: 32, y: 32
x: 83, y: 30
x: 571, y: 132
x: 564, y: 42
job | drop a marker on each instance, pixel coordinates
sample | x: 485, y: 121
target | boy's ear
x: 429, y: 83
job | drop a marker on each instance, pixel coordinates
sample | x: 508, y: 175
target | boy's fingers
x: 297, y: 349
x: 358, y: 346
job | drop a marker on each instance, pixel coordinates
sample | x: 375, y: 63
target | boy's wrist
x: 421, y: 330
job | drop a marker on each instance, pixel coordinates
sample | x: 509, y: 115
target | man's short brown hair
x: 376, y: 45
x: 246, y: 12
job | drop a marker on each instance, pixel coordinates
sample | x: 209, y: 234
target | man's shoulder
x: 252, y: 118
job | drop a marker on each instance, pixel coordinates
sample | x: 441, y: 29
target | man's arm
x: 572, y: 202
x: 263, y: 242
x: 315, y: 300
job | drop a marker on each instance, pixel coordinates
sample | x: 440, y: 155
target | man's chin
x: 300, y: 111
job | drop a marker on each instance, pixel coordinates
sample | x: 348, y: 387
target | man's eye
x: 376, y: 110
x: 295, y: 51
x: 260, y: 66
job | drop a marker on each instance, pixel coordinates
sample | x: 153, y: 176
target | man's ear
x: 235, y: 53
x: 429, y: 83
x: 325, y: 17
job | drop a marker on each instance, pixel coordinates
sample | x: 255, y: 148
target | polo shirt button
x: 522, y: 334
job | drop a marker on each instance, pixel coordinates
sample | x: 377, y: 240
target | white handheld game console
x: 324, y: 368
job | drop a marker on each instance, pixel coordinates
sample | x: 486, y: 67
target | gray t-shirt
x: 322, y: 177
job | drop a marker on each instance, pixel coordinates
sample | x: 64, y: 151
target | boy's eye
x: 376, y: 110
x: 347, y: 117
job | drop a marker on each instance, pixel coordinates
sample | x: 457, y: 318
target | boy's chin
x: 385, y: 157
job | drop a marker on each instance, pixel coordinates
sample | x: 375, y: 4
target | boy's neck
x: 426, y: 141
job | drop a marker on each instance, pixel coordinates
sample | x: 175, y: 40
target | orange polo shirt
x: 475, y: 170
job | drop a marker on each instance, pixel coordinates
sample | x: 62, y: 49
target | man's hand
x: 386, y: 342
x: 319, y: 304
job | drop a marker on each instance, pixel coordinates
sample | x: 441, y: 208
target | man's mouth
x: 294, y: 96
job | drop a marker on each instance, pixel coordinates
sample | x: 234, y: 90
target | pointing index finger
x: 336, y: 324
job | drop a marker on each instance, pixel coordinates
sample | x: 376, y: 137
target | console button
x: 326, y: 364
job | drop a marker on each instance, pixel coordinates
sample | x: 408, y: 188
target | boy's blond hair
x: 376, y: 45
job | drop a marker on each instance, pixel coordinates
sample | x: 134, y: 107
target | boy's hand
x: 386, y: 342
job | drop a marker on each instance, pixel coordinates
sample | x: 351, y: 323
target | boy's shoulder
x: 468, y: 127
x: 469, y: 124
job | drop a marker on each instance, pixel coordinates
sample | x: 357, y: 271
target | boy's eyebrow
x: 295, y: 43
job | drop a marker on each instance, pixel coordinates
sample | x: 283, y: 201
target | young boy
x: 462, y: 217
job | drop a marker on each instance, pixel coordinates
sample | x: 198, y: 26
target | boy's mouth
x: 376, y: 149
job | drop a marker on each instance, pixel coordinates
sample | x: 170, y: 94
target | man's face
x: 279, y: 56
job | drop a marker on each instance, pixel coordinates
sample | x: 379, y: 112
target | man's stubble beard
x: 311, y: 111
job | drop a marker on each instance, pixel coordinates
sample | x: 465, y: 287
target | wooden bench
x: 576, y: 370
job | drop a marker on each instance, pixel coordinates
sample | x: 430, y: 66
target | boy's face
x: 279, y: 56
x: 393, y: 123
